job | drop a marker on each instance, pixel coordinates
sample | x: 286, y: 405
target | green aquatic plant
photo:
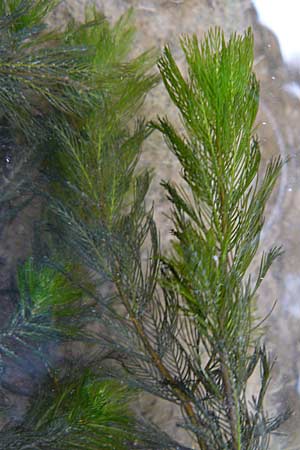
x: 217, y: 220
x: 181, y: 326
x: 190, y: 330
x: 38, y: 70
x: 40, y: 76
x: 47, y: 313
x: 122, y: 81
x: 92, y: 160
x: 72, y: 405
x: 74, y: 411
x: 78, y: 409
x: 52, y: 83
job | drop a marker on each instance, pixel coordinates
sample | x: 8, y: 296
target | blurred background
x: 275, y: 24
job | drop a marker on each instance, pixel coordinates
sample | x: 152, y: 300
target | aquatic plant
x: 217, y: 220
x: 189, y: 334
x: 52, y: 82
x: 181, y: 326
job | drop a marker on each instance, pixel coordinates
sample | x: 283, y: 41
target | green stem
x: 231, y: 400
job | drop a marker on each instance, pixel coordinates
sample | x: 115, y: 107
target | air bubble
x: 298, y: 385
x: 264, y: 123
x: 273, y: 78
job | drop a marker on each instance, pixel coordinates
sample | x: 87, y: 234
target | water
x: 159, y: 22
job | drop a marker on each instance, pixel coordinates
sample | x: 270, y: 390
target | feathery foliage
x: 47, y: 313
x: 39, y: 75
x: 19, y: 14
x: 190, y: 338
x: 52, y: 85
x: 217, y: 221
x: 37, y: 70
x: 93, y: 163
x: 123, y: 82
x: 188, y: 332
x: 72, y: 407
x: 81, y: 411
x: 74, y: 411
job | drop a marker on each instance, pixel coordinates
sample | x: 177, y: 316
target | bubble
x: 273, y: 78
x: 8, y: 159
x: 298, y: 385
x: 264, y: 123
x: 216, y: 259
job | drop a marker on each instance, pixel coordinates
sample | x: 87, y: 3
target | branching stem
x: 232, y: 405
x: 186, y: 403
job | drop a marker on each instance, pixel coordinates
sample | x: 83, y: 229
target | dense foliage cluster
x: 96, y: 287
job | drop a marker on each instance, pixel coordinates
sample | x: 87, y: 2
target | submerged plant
x: 75, y: 411
x: 217, y: 221
x: 190, y: 330
x: 51, y: 84
x: 181, y: 326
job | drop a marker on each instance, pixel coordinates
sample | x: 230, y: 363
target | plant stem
x: 229, y: 393
x: 231, y: 402
x: 186, y: 404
